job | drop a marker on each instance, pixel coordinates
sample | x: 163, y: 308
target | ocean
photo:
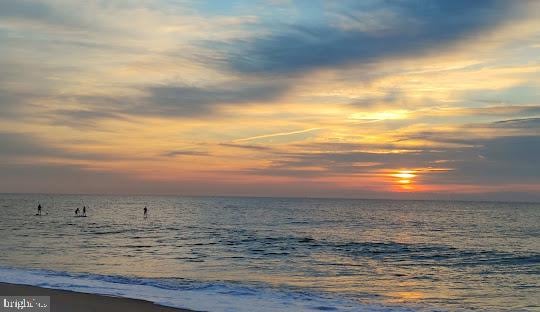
x: 278, y: 254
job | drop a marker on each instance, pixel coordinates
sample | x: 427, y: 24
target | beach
x: 68, y: 301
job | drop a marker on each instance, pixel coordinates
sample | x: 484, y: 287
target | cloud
x: 36, y: 11
x: 497, y: 161
x: 506, y: 156
x: 495, y: 111
x: 522, y: 151
x: 78, y: 20
x: 522, y: 123
x: 82, y: 118
x: 27, y: 146
x: 247, y: 147
x: 180, y: 100
x: 521, y: 94
x: 74, y: 16
x: 435, y: 136
x: 11, y: 103
x: 470, y: 135
x: 412, y: 28
x: 176, y: 153
x: 176, y: 101
x: 20, y: 144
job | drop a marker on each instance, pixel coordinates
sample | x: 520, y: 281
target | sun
x: 405, y: 174
x: 405, y: 178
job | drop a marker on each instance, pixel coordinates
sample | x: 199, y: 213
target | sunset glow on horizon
x: 384, y: 99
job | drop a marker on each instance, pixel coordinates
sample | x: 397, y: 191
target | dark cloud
x: 18, y: 103
x: 164, y: 101
x: 189, y: 101
x: 10, y: 103
x: 19, y: 144
x: 67, y: 17
x: 412, y: 28
x: 31, y: 10
x: 28, y: 106
x: 447, y: 137
x: 503, y: 111
x: 170, y: 101
x: 466, y: 137
x: 497, y: 161
x: 521, y: 150
x: 176, y: 153
x: 16, y: 145
x: 79, y: 114
x: 522, y: 123
x: 248, y: 147
x: 351, y: 147
x: 82, y: 118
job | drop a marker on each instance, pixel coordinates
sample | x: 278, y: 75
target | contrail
x: 275, y: 135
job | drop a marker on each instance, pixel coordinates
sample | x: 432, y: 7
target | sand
x: 69, y: 301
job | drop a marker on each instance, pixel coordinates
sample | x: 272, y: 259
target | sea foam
x: 179, y: 293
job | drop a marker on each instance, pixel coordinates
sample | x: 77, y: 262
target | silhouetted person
x: 39, y: 209
x: 145, y: 212
x: 84, y: 211
x: 77, y: 212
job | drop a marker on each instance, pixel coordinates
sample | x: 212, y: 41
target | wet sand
x: 68, y: 301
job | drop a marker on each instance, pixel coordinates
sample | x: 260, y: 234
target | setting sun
x: 405, y: 174
x: 404, y: 179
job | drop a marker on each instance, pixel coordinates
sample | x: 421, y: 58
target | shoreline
x: 68, y: 301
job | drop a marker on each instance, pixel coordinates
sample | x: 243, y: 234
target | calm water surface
x: 418, y: 255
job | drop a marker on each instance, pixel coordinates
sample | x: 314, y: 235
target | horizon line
x: 282, y: 197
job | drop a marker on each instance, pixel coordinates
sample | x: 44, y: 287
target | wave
x: 417, y: 253
x: 187, y: 294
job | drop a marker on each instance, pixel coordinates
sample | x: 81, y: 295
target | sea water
x: 276, y: 254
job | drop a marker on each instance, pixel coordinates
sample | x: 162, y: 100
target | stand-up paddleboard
x: 80, y: 216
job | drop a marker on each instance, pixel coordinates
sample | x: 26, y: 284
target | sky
x: 424, y: 99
